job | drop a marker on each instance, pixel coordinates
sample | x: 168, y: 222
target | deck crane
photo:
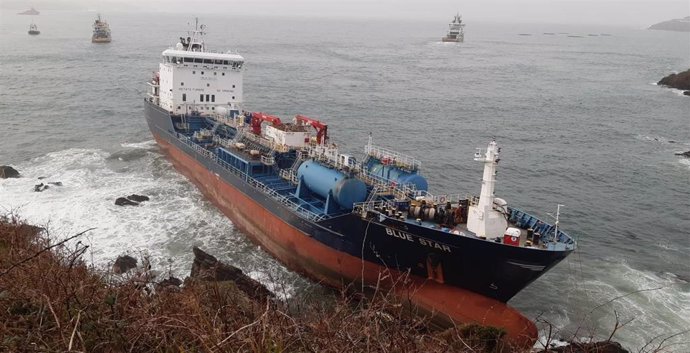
x: 258, y: 118
x: 321, y: 128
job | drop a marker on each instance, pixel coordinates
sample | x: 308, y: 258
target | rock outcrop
x: 40, y: 187
x: 598, y: 347
x: 131, y: 200
x: 678, y: 81
x: 123, y: 264
x: 683, y: 154
x: 207, y: 267
x: 8, y: 172
x: 138, y: 198
x: 123, y: 201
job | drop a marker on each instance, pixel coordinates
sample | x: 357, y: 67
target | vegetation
x: 52, y: 301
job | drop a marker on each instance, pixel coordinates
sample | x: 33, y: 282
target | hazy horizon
x: 604, y: 12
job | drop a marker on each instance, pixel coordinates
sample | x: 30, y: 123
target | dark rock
x: 683, y: 154
x: 121, y: 201
x: 56, y: 183
x: 170, y: 283
x: 678, y: 81
x: 686, y: 93
x: 138, y: 198
x: 8, y: 172
x: 41, y: 178
x: 40, y: 187
x: 124, y: 263
x: 207, y: 267
x: 598, y: 347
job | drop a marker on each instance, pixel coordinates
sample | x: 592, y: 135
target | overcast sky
x: 619, y: 12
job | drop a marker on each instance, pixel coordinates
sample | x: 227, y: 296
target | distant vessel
x: 30, y: 11
x: 101, y: 31
x: 33, y: 30
x: 456, y: 30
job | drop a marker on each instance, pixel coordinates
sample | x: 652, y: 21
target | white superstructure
x: 456, y: 31
x: 193, y: 79
x: 487, y: 218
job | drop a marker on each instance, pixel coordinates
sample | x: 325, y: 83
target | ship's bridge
x: 199, y: 80
x: 176, y: 56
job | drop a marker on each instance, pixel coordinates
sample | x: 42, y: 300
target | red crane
x: 258, y: 118
x: 321, y: 128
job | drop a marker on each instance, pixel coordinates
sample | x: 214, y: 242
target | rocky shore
x: 679, y: 81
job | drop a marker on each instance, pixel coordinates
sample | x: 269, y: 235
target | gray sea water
x: 579, y: 119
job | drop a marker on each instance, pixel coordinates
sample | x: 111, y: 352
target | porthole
x: 208, y: 85
x: 193, y: 72
x: 202, y: 72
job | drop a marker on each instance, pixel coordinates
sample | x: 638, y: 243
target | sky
x: 615, y: 12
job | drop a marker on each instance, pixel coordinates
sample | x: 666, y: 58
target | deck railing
x: 285, y: 200
x: 397, y: 159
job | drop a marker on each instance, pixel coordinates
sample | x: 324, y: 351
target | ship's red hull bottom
x: 322, y: 263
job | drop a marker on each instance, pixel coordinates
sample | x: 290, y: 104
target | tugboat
x: 101, y: 31
x: 341, y: 219
x: 456, y: 30
x: 33, y: 30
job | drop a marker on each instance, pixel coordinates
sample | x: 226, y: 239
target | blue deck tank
x: 321, y: 180
x: 395, y: 174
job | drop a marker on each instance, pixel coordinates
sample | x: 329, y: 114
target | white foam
x: 658, y: 304
x: 685, y: 162
x: 166, y: 227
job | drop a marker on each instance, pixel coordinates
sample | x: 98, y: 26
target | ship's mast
x: 483, y: 219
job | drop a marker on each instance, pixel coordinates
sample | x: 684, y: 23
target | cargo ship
x: 456, y: 30
x: 340, y: 219
x: 101, y: 31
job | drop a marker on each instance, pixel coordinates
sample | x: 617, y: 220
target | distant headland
x: 30, y: 11
x: 677, y: 25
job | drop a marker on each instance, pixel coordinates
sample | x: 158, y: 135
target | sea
x: 575, y: 109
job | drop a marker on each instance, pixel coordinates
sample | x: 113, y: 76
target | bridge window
x: 208, y: 61
x: 218, y: 62
x: 184, y: 97
x: 198, y: 61
x: 207, y: 98
x: 213, y: 98
x: 225, y: 62
x: 188, y: 60
x: 201, y: 97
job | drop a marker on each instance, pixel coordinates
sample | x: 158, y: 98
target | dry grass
x: 52, y: 301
